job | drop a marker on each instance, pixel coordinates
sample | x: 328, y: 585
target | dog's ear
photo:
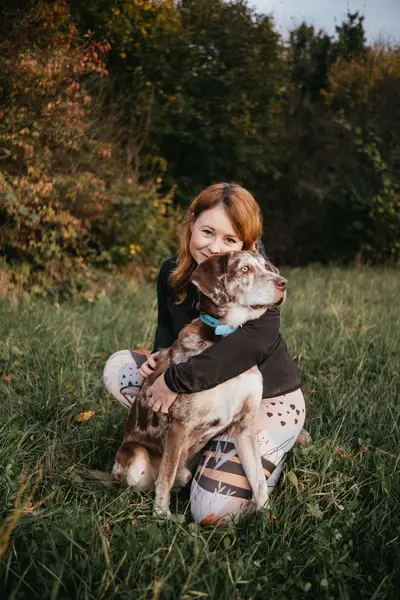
x: 209, y: 278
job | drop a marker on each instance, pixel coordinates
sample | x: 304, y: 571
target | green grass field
x: 336, y: 524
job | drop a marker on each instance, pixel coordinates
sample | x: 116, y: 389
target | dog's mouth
x: 259, y: 306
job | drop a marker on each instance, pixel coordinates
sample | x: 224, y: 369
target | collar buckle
x: 220, y: 329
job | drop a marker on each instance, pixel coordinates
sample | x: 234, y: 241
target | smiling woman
x: 224, y: 217
x: 212, y: 233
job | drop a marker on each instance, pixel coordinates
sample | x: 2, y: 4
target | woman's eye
x: 231, y: 241
x: 207, y: 231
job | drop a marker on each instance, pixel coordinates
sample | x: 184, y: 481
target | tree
x: 364, y: 95
x: 67, y: 201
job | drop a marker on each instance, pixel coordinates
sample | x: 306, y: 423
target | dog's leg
x: 175, y: 446
x: 183, y: 474
x: 248, y: 450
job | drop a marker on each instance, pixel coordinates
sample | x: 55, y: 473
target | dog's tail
x: 102, y: 477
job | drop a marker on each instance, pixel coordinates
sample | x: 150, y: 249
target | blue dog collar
x: 219, y: 329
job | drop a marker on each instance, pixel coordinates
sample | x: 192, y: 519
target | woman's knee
x: 220, y: 490
x: 121, y: 375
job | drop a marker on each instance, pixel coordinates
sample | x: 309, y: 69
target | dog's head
x: 241, y: 286
x: 133, y: 466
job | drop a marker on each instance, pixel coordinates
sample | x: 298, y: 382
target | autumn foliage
x: 114, y: 115
x: 59, y: 188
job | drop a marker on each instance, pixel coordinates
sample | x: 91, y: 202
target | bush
x: 64, y: 203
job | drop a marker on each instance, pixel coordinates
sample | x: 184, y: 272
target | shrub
x: 63, y: 206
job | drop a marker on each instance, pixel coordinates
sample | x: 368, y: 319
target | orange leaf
x: 7, y: 378
x: 85, y: 416
x: 273, y: 517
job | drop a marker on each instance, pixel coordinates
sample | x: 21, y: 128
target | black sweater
x: 257, y: 342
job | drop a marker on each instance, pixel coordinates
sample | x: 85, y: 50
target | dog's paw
x: 304, y: 438
x: 182, y: 478
x: 161, y: 512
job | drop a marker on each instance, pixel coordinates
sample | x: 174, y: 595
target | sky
x: 382, y: 17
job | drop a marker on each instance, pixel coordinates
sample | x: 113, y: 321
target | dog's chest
x: 209, y: 412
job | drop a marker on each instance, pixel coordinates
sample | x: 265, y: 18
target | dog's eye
x: 245, y: 269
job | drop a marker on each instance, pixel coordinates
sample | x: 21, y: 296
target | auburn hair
x: 244, y: 213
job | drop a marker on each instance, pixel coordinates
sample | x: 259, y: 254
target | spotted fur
x: 235, y: 287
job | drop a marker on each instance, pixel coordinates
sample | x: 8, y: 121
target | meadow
x: 334, y: 526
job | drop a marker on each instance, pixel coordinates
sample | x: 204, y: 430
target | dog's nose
x: 281, y: 283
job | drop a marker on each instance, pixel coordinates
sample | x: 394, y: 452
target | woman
x: 222, y: 218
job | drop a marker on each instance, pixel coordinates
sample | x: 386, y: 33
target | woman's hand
x: 161, y: 396
x: 147, y: 368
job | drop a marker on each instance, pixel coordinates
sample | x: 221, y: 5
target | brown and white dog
x: 235, y: 287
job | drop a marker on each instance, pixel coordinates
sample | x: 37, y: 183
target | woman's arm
x: 164, y: 337
x: 232, y: 355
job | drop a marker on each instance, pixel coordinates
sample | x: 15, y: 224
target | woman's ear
x: 191, y: 218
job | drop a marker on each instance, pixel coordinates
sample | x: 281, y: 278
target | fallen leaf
x: 343, y: 454
x: 273, y: 517
x: 85, y: 416
x: 7, y: 378
x: 340, y: 452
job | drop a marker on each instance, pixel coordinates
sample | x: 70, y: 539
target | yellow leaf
x: 85, y: 416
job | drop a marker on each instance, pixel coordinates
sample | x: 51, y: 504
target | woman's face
x: 213, y: 233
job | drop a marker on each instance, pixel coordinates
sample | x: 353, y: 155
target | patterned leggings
x: 220, y: 490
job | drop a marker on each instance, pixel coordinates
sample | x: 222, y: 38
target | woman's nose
x: 215, y: 247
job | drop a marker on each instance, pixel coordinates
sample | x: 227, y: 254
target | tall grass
x: 334, y: 531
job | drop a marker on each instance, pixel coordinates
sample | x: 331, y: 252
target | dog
x: 233, y: 288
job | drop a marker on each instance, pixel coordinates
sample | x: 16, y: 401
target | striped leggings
x: 219, y: 490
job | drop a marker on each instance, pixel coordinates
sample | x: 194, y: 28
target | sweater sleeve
x: 230, y: 356
x: 164, y: 336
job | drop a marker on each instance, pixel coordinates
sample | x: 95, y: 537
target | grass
x: 336, y: 526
